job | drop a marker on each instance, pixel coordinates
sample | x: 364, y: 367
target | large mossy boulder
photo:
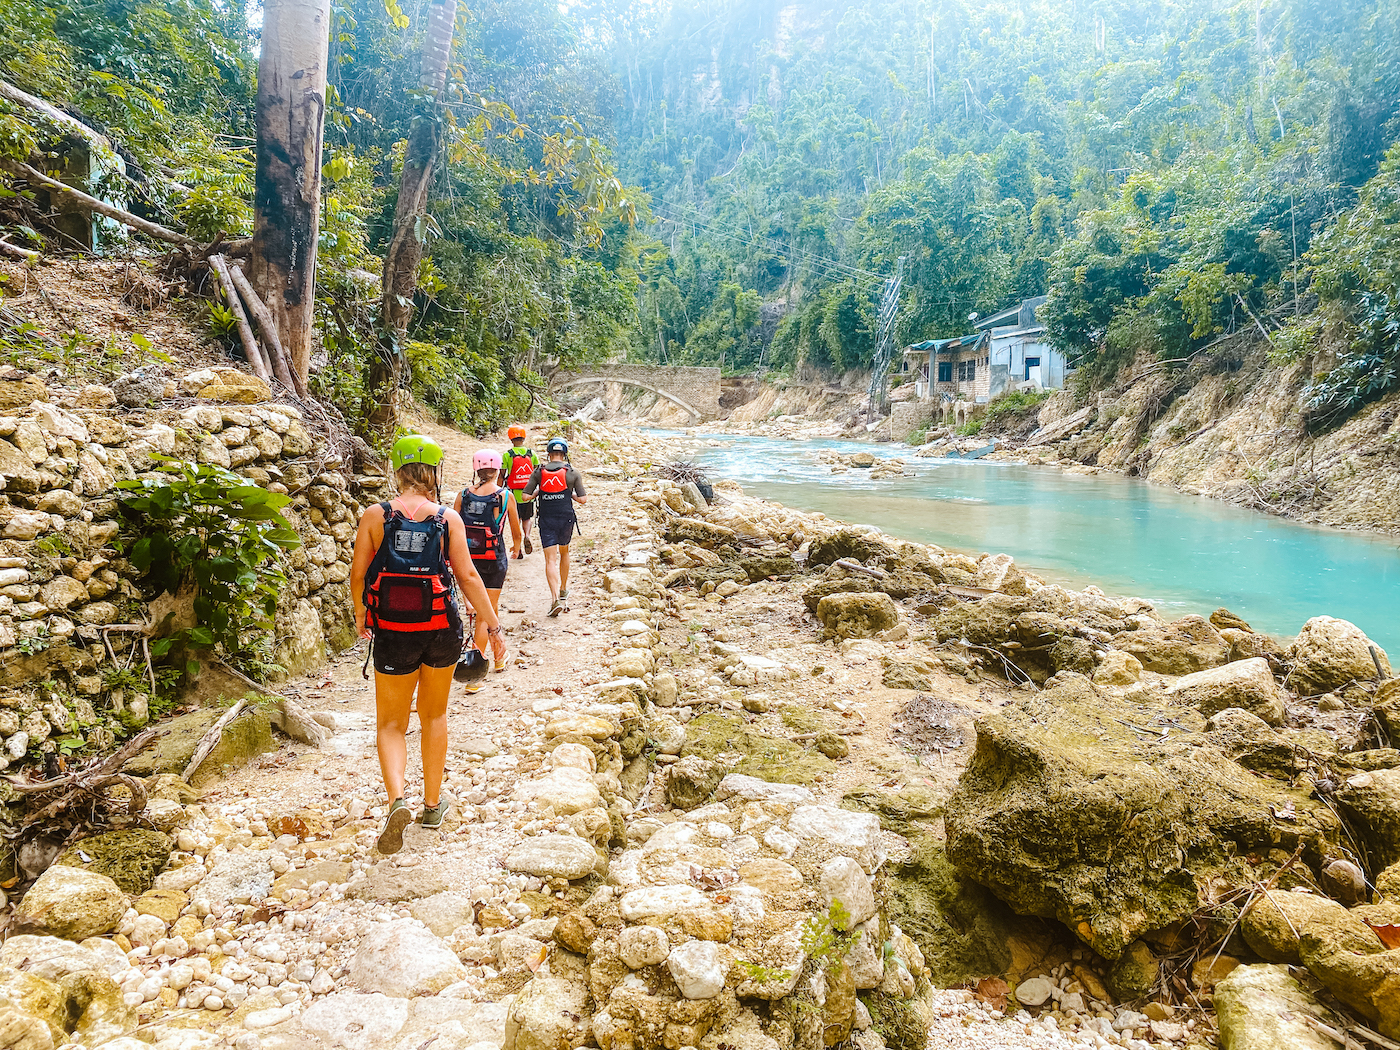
x: 1372, y: 801
x: 1265, y: 1008
x: 854, y: 544
x: 71, y: 903
x: 131, y: 858
x: 1328, y: 653
x: 1181, y: 647
x: 1118, y: 818
x: 837, y: 579
x: 1354, y: 966
x: 731, y: 745
x: 244, y: 738
x: 858, y: 614
x: 1044, y: 626
x: 1272, y: 923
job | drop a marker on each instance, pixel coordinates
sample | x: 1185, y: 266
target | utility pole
x: 884, y: 343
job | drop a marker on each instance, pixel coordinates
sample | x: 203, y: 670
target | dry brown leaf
x: 1389, y: 934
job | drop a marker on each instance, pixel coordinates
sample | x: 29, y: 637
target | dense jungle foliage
x: 1167, y: 172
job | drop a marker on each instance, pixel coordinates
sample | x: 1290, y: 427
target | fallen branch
x: 251, y: 350
x: 287, y: 715
x: 54, y: 115
x: 855, y: 566
x: 1344, y: 1037
x: 211, y: 738
x: 280, y: 367
x: 16, y: 252
x: 106, y: 773
x: 151, y: 229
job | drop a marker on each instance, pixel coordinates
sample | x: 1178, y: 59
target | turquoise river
x: 1185, y: 554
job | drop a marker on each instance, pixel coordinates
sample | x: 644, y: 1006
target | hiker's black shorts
x: 404, y: 652
x: 492, y: 573
x: 526, y: 510
x: 554, y: 533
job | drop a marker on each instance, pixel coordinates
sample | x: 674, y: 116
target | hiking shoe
x: 391, y: 838
x: 529, y: 547
x: 563, y: 594
x: 432, y: 815
x: 520, y: 555
x: 556, y: 608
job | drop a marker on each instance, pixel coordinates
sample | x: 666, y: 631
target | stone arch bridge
x: 694, y: 390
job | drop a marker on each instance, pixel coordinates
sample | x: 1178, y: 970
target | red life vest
x: 554, y: 479
x: 522, y: 465
x: 408, y: 586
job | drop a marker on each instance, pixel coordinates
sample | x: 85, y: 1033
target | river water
x: 1185, y: 554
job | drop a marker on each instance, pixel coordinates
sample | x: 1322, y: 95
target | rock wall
x: 70, y: 603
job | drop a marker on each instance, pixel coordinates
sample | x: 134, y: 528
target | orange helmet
x: 516, y: 432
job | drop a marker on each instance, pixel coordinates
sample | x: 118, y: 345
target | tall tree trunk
x: 291, y: 114
x: 409, y: 233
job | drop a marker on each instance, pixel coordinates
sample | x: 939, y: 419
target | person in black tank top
x: 486, y: 509
x: 556, y: 487
x: 415, y: 644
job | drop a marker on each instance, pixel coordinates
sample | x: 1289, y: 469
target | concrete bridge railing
x: 696, y: 390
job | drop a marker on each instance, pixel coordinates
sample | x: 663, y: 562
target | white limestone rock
x: 856, y: 835
x: 843, y: 880
x: 401, y: 958
x: 643, y: 946
x: 356, y: 1021
x: 698, y: 968
x: 553, y: 856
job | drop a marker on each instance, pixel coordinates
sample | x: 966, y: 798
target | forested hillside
x: 730, y: 183
x: 526, y: 233
x: 1167, y: 171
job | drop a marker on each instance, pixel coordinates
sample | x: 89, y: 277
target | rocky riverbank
x: 775, y: 783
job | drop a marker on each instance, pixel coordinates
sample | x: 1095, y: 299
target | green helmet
x: 415, y: 448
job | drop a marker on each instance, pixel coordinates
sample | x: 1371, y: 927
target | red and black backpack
x: 485, y: 520
x: 408, y: 586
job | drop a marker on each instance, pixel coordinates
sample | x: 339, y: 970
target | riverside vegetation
x: 785, y: 783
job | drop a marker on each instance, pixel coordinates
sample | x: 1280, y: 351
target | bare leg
x: 563, y: 567
x: 393, y: 696
x: 551, y: 569
x: 479, y: 636
x: 434, y: 685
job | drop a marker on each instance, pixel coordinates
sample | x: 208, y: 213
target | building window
x: 967, y: 371
x: 1031, y: 362
x: 945, y: 371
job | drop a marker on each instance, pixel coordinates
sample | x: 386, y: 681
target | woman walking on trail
x: 517, y: 465
x: 485, y: 508
x: 556, y: 486
x: 407, y: 552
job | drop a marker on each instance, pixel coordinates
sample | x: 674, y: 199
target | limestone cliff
x: 1231, y: 426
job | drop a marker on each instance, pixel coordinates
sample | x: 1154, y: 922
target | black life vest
x: 555, y: 500
x: 485, y: 521
x: 408, y: 586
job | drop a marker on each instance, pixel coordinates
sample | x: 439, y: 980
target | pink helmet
x: 486, y: 459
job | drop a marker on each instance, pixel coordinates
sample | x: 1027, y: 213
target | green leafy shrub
x: 203, y: 530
